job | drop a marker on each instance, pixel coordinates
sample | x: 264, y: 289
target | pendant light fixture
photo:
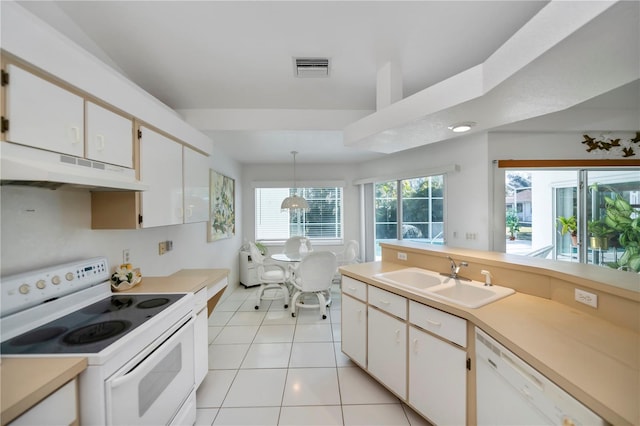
x: 294, y: 202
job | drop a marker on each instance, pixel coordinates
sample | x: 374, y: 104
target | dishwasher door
x: 511, y: 392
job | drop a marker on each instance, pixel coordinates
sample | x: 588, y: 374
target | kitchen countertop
x: 183, y: 281
x: 27, y: 381
x: 595, y: 361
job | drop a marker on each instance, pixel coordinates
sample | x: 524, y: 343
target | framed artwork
x: 222, y: 218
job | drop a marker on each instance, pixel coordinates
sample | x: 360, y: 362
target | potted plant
x: 624, y: 220
x: 513, y: 223
x: 600, y: 234
x: 569, y: 224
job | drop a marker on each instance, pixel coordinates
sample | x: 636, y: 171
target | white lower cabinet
x: 437, y: 367
x: 354, y: 330
x: 387, y: 350
x: 437, y: 378
x: 59, y: 408
x: 416, y: 351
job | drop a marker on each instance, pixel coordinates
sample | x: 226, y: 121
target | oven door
x: 153, y: 386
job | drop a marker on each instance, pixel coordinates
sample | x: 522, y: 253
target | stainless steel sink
x: 470, y: 294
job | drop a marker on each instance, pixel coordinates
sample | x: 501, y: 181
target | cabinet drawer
x: 440, y: 323
x: 388, y: 302
x: 354, y: 288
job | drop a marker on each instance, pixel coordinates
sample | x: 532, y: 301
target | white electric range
x: 139, y: 347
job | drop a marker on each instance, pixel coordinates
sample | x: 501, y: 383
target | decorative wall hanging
x: 222, y: 222
x: 625, y: 147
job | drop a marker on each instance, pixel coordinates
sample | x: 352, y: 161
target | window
x: 597, y: 228
x: 323, y: 220
x: 421, y: 205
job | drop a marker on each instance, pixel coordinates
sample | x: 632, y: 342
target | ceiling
x: 227, y: 66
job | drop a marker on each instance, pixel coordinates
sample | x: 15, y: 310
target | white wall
x: 41, y: 227
x: 467, y: 190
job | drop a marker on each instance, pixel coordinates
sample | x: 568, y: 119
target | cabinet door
x: 437, y: 378
x: 196, y: 186
x: 354, y: 330
x: 44, y: 115
x: 161, y: 169
x: 109, y: 136
x: 387, y: 350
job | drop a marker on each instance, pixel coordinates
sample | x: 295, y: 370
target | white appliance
x: 24, y: 165
x: 139, y: 347
x: 511, y: 392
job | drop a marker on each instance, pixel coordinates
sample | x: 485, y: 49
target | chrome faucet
x: 456, y: 268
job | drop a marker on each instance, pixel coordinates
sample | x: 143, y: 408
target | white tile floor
x: 267, y: 368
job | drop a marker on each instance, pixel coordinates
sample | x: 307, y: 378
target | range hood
x: 22, y: 165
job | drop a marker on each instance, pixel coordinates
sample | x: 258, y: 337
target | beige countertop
x: 595, y: 361
x: 183, y: 281
x: 27, y: 381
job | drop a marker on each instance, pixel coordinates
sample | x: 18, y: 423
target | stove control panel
x: 32, y: 288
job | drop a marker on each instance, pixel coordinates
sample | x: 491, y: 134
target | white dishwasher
x: 511, y: 392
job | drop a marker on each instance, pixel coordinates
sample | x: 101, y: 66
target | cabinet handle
x: 76, y: 132
x: 415, y: 345
x: 351, y: 288
x: 435, y: 323
x: 180, y: 212
x: 384, y: 302
x: 100, y: 142
x: 397, y: 336
x: 189, y: 211
x: 360, y: 315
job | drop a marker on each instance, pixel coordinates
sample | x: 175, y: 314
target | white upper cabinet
x: 44, y: 115
x: 109, y: 136
x: 196, y: 186
x: 161, y: 169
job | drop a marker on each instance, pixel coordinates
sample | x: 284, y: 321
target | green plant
x: 599, y: 228
x: 513, y: 223
x: 568, y: 224
x: 624, y: 220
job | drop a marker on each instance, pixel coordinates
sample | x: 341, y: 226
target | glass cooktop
x: 92, y: 328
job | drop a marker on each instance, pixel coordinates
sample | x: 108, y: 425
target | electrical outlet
x: 125, y: 256
x: 402, y: 256
x: 162, y: 247
x: 587, y: 298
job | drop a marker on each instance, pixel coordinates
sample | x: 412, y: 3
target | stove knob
x: 41, y: 284
x: 69, y: 276
x: 24, y: 289
x: 55, y: 280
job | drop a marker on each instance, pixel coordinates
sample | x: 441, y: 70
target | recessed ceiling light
x: 462, y: 127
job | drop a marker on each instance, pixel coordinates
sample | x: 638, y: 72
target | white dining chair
x: 313, y: 277
x: 272, y: 276
x: 350, y: 254
x: 293, y: 245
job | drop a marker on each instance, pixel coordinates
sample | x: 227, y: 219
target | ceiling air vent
x: 311, y: 67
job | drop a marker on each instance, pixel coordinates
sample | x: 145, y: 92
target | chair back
x: 257, y: 258
x: 315, y: 272
x: 292, y: 245
x: 351, y: 252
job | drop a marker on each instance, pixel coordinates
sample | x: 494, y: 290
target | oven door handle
x: 145, y: 362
